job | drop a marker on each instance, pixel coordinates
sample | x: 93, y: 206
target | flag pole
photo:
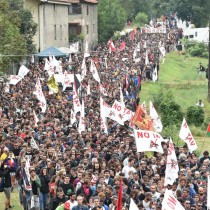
x: 202, y: 146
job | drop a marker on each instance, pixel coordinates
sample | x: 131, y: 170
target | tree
x: 28, y: 27
x: 141, y: 19
x: 111, y: 17
x: 11, y: 41
x: 193, y: 10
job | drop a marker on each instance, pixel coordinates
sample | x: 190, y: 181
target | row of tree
x: 113, y: 14
x: 17, y: 30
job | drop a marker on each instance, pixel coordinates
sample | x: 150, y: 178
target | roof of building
x: 71, y: 1
x: 92, y: 1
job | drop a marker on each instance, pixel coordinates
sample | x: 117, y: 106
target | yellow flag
x: 52, y: 84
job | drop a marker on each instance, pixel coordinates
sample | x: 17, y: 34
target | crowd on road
x: 82, y: 171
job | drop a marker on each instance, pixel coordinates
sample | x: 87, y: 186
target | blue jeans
x: 44, y: 200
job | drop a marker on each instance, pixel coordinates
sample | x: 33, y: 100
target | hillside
x: 179, y: 73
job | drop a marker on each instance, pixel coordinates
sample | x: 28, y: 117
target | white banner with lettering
x: 122, y: 112
x: 148, y: 141
x: 170, y: 202
x: 187, y: 137
x: 172, y: 167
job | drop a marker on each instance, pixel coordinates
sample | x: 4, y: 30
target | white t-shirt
x: 73, y: 204
x: 126, y: 169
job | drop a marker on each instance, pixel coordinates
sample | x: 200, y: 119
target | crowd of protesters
x: 83, y: 171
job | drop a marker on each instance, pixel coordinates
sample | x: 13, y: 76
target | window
x: 191, y: 36
x: 74, y: 30
x: 87, y: 9
x: 55, y: 32
x: 87, y: 29
x: 75, y: 9
x: 60, y: 32
x: 196, y: 34
x: 186, y: 37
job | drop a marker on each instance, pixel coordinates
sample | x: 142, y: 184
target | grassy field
x: 14, y: 201
x: 179, y: 73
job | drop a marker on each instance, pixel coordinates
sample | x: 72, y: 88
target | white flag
x: 6, y: 89
x: 105, y: 107
x: 187, y: 137
x: 83, y: 69
x: 133, y: 206
x: 163, y: 51
x: 146, y: 59
x: 94, y: 71
x: 148, y: 141
x: 82, y: 119
x: 154, y: 74
x: 170, y: 202
x: 105, y: 59
x: 76, y: 101
x: 55, y: 61
x: 88, y: 89
x: 122, y: 112
x: 155, y: 118
x: 23, y: 71
x: 103, y: 117
x: 32, y: 59
x: 208, y: 193
x: 172, y: 167
x: 103, y: 90
x: 67, y: 80
x: 36, y: 120
x: 70, y: 59
x: 145, y: 44
x: 134, y: 54
x: 87, y: 53
x: 59, y: 68
x: 46, y: 65
x: 73, y: 117
x: 143, y: 106
x: 14, y: 79
x: 121, y: 96
x: 138, y: 47
x: 40, y: 96
x: 33, y: 144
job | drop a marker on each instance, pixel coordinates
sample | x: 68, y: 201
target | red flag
x: 208, y: 130
x: 126, y: 82
x: 119, y: 200
x: 111, y: 46
x: 141, y: 119
x: 122, y: 46
x: 132, y: 35
x: 96, y: 62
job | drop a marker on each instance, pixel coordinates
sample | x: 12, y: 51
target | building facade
x: 61, y: 21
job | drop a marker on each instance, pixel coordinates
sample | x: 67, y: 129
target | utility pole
x: 209, y: 66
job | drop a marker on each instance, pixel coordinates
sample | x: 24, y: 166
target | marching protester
x: 74, y: 134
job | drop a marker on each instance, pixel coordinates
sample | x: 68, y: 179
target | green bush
x: 141, y: 19
x: 196, y: 51
x: 195, y: 48
x: 195, y: 115
x: 205, y: 55
x: 170, y: 111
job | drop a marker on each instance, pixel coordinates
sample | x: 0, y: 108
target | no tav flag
x: 148, y: 141
x: 187, y: 137
x: 170, y: 202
